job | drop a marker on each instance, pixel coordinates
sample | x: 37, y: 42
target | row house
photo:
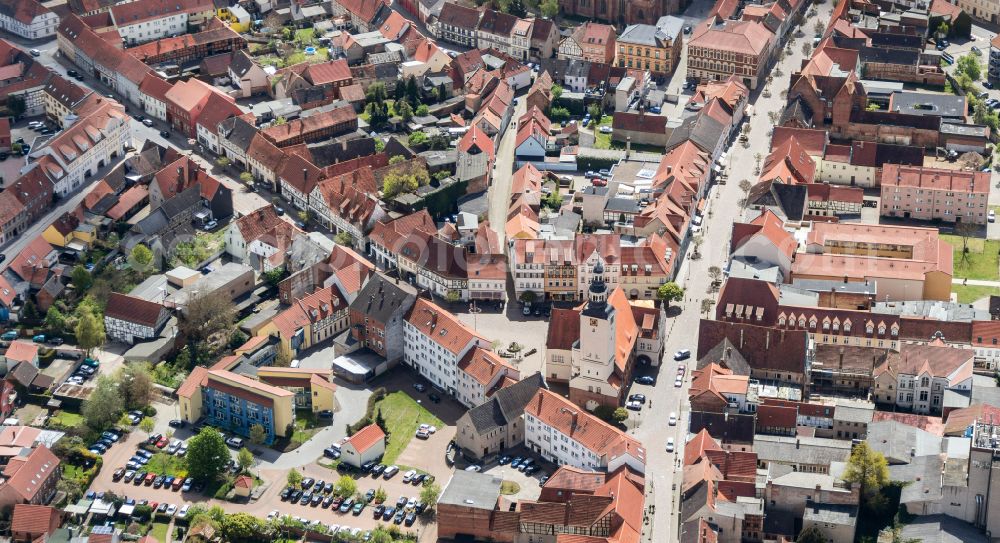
x: 23, y: 76
x: 365, y: 15
x: 62, y: 98
x: 560, y: 270
x: 247, y: 229
x: 310, y: 321
x: 348, y: 203
x: 458, y: 24
x: 388, y: 236
x: 378, y: 315
x: 246, y: 74
x: 217, y: 109
x: 592, y: 42
x: 743, y: 48
x: 235, y: 135
x: 314, y: 128
x: 147, y: 20
x: 187, y: 100
x: 621, y: 14
x: 218, y: 38
x: 916, y: 378
x: 480, y: 373
x: 504, y: 32
x: 101, y: 134
x: 28, y: 19
x: 656, y: 48
x: 435, y: 342
x: 565, y: 434
x: 128, y: 319
x: 153, y: 91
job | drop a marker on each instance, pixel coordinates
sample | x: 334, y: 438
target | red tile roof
x: 127, y: 201
x: 257, y: 223
x: 22, y: 351
x: 582, y: 427
x: 441, y: 326
x: 894, y: 175
x: 27, y: 475
x: 366, y: 438
x: 35, y: 520
x: 483, y: 365
x: 132, y: 309
x: 334, y: 71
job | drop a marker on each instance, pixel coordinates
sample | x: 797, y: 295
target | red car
x: 162, y: 443
x: 598, y: 182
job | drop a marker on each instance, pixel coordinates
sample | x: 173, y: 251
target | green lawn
x: 305, y: 426
x: 165, y: 464
x: 159, y: 531
x: 970, y: 293
x: 65, y: 419
x: 402, y: 416
x: 602, y: 141
x: 981, y: 262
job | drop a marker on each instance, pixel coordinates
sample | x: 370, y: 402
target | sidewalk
x: 975, y: 282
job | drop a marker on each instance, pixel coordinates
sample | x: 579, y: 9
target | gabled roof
x: 35, y: 520
x: 255, y: 224
x: 132, y: 309
x: 582, y: 427
x: 366, y: 438
x: 441, y: 327
x: 506, y: 405
x: 483, y: 365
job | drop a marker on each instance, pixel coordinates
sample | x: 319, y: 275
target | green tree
x: 517, y: 9
x: 207, y: 455
x: 223, y: 161
x: 558, y: 114
x: 412, y: 90
x: 442, y: 92
x: 396, y: 159
x: 529, y: 296
x: 867, y: 468
x: 380, y: 421
x: 294, y: 478
x: 90, y: 332
x: 596, y: 113
x: 422, y: 110
x: 415, y: 139
x: 246, y: 177
x: 549, y: 8
x: 943, y: 29
x: 380, y: 495
x: 380, y: 535
x: 208, y: 313
x: 243, y: 527
x: 257, y: 434
x: 141, y: 257
x: 345, y: 486
x: 969, y: 65
x: 669, y: 292
x: 811, y: 534
x: 55, y: 321
x: 404, y: 110
x: 429, y: 495
x: 244, y: 459
x: 81, y: 278
x: 147, y: 425
x: 404, y: 180
x: 378, y: 114
x: 104, y: 405
x: 376, y: 93
x: 135, y: 385
x: 620, y: 415
x: 274, y: 276
x: 344, y: 239
x: 16, y: 105
x: 557, y: 91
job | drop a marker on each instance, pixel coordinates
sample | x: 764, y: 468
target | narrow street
x: 499, y: 193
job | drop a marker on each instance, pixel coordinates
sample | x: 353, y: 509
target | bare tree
x: 745, y: 186
x: 706, y: 305
x: 966, y: 231
x: 715, y: 273
x: 206, y: 315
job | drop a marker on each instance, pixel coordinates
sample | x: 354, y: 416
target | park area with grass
x: 982, y: 261
x: 402, y: 416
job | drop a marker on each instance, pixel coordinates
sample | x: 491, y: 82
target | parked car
x: 633, y: 405
x: 673, y: 419
x: 377, y: 512
x: 682, y: 354
x: 641, y: 398
x: 390, y: 471
x: 235, y: 442
x: 645, y: 380
x: 187, y: 484
x: 176, y: 423
x: 670, y: 444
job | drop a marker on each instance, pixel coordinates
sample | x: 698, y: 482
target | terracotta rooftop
x: 366, y: 437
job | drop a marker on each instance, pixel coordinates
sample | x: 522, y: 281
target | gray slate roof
x: 382, y: 298
x: 897, y: 441
x: 801, y: 450
x: 506, y: 404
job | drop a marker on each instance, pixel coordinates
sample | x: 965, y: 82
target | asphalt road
x: 650, y: 424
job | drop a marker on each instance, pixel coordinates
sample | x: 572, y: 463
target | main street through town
x: 663, y: 469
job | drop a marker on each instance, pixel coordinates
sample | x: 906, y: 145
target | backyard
x: 603, y: 141
x: 968, y: 294
x: 295, y: 51
x: 402, y: 416
x: 981, y: 262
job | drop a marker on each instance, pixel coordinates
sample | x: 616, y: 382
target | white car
x: 670, y: 444
x: 183, y: 513
x: 991, y: 216
x: 272, y: 515
x: 673, y: 419
x: 678, y: 382
x: 171, y: 509
x: 409, y: 475
x: 174, y: 445
x: 605, y: 129
x: 474, y: 467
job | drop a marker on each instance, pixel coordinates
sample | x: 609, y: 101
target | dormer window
x: 847, y: 326
x: 812, y: 323
x: 869, y: 328
x: 881, y: 329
